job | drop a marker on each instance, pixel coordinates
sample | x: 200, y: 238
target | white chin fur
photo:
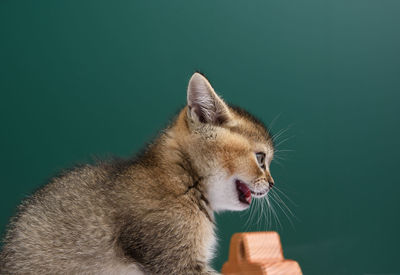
x: 223, y: 195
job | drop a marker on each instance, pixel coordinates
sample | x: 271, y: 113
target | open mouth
x: 245, y: 193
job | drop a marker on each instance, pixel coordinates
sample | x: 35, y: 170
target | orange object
x: 258, y: 253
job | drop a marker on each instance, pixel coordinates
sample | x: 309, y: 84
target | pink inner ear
x: 204, y: 102
x: 200, y: 113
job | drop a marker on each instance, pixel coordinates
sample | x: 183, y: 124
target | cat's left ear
x: 204, y: 105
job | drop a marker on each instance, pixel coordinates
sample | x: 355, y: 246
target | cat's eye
x: 261, y: 159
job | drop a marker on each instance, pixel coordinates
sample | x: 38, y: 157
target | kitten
x: 153, y: 214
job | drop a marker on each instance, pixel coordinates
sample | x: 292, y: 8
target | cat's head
x: 229, y: 147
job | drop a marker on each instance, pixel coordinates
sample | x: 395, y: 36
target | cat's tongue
x: 244, y: 192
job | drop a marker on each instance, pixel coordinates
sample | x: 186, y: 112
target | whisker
x: 249, y: 217
x: 269, y: 212
x: 283, y: 203
x: 253, y: 210
x: 279, y: 157
x: 271, y: 124
x: 279, y: 163
x: 284, y: 212
x: 276, y: 136
x: 284, y: 150
x: 282, y: 153
x: 287, y: 197
x: 265, y: 215
x: 283, y: 141
x: 262, y: 211
x: 275, y: 215
x: 281, y: 132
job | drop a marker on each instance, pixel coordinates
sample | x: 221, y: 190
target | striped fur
x: 153, y: 214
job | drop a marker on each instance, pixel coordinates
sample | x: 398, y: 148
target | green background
x: 99, y: 78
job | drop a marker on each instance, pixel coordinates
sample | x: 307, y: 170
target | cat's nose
x: 270, y: 181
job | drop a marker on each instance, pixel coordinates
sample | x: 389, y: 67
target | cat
x: 152, y: 214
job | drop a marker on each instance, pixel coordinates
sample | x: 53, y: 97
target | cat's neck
x: 169, y: 159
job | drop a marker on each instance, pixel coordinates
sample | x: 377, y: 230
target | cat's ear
x: 204, y: 105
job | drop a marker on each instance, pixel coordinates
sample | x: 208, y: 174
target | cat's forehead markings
x: 252, y: 131
x: 252, y: 134
x: 250, y: 125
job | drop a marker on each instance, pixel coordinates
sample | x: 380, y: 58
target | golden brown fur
x: 152, y: 214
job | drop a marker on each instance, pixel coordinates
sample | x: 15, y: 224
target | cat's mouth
x: 245, y: 193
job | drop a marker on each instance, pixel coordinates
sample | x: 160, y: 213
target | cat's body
x: 151, y: 215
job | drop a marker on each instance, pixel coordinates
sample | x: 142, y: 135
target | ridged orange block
x: 256, y: 253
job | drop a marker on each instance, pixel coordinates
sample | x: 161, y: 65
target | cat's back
x: 67, y: 222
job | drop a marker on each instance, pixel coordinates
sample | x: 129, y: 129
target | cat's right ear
x: 204, y: 105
